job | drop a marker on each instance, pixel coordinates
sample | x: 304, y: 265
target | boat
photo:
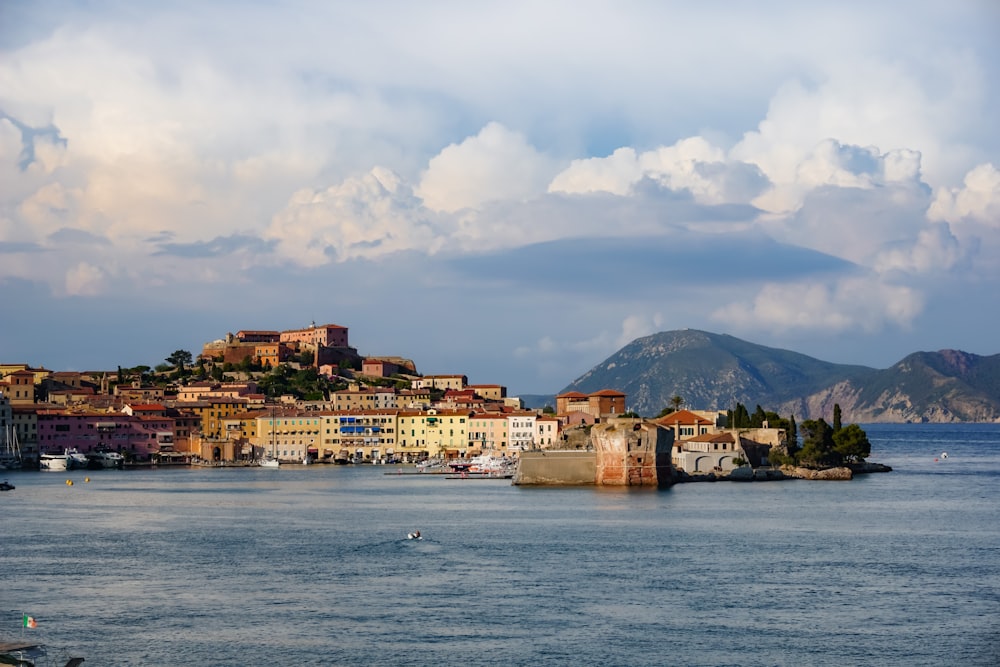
x: 306, y: 461
x: 415, y: 535
x: 76, y: 460
x: 53, y: 462
x: 104, y: 459
x: 6, y: 486
x: 26, y: 654
x: 10, y: 456
x: 484, y: 464
x: 270, y: 461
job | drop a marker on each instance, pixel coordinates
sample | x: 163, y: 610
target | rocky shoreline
x: 745, y: 474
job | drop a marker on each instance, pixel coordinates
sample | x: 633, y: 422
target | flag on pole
x: 29, y: 622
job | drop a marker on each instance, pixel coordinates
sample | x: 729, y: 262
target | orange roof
x: 712, y: 437
x: 607, y: 392
x: 572, y: 394
x: 683, y: 417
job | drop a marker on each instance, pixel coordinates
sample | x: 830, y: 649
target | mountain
x: 715, y: 371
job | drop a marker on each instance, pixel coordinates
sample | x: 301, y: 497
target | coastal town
x: 374, y: 410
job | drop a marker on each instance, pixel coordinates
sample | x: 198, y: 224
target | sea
x: 311, y: 565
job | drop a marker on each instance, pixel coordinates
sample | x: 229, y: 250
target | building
x: 356, y: 397
x: 442, y: 382
x: 600, y: 404
x: 363, y: 436
x: 136, y: 436
x: 688, y: 424
x: 433, y: 432
x: 326, y: 335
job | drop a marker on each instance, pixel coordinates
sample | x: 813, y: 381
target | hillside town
x: 384, y: 412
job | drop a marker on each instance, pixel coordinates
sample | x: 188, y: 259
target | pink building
x: 138, y: 436
x: 326, y: 335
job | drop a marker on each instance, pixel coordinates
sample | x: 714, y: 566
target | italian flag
x: 29, y: 622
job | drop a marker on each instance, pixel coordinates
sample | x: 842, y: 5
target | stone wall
x: 572, y: 467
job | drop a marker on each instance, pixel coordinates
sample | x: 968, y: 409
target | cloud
x: 218, y: 246
x: 369, y: 216
x: 935, y: 250
x: 978, y: 198
x: 496, y: 164
x: 855, y: 303
x: 692, y: 165
x: 85, y: 279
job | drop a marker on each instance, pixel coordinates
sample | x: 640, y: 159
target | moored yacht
x: 53, y: 462
x: 105, y: 459
x: 76, y: 460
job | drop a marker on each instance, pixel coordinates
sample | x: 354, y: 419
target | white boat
x: 10, y: 456
x: 77, y: 460
x: 271, y: 461
x: 106, y: 460
x: 53, y: 462
x: 484, y: 464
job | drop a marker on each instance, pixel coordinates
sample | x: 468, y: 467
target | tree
x: 738, y: 417
x: 837, y: 425
x: 851, y: 443
x: 817, y: 444
x: 758, y: 418
x: 180, y: 359
x: 676, y: 402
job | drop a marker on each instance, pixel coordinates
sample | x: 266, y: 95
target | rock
x: 835, y: 474
x: 866, y: 467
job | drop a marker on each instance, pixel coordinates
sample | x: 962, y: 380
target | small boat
x: 26, y: 654
x: 270, y: 462
x: 415, y: 535
x: 54, y: 462
x: 6, y: 486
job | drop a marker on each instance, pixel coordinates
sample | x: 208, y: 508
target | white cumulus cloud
x: 364, y: 217
x: 496, y: 164
x: 978, y: 198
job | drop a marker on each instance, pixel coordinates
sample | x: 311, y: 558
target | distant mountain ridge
x: 715, y: 371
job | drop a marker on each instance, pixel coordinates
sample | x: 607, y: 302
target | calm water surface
x: 310, y: 566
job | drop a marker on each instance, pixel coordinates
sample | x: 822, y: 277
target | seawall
x: 557, y: 467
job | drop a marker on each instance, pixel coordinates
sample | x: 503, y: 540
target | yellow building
x: 434, y: 433
x: 213, y: 411
x: 361, y: 435
x: 289, y: 436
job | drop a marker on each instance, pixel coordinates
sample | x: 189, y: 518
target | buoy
x: 944, y: 455
x: 86, y: 479
x: 69, y: 482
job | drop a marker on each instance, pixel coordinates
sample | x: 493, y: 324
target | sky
x: 511, y: 191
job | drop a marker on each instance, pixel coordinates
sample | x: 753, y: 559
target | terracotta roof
x: 683, y: 417
x: 712, y: 437
x: 607, y: 392
x: 572, y: 394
